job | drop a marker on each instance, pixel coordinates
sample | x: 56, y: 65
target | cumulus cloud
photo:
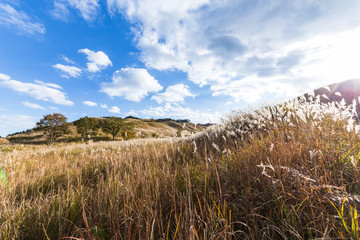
x: 32, y: 105
x: 174, y: 93
x: 69, y: 71
x: 19, y: 20
x: 131, y: 83
x: 90, y: 103
x: 176, y: 111
x: 39, y: 90
x: 114, y: 109
x: 97, y: 60
x: 240, y: 44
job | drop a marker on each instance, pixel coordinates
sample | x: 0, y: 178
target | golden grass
x: 287, y: 172
x: 3, y: 141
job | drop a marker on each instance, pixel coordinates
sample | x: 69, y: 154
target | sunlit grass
x: 284, y: 172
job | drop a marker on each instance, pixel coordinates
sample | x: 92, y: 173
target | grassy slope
x: 144, y: 127
x: 288, y: 172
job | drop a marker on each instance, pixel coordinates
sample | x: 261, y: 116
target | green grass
x: 286, y: 172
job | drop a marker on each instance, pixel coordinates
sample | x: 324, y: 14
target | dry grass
x: 3, y: 141
x: 286, y: 172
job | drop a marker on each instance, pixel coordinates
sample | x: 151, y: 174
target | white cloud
x: 174, y: 93
x: 19, y: 20
x: 131, y: 83
x: 103, y: 106
x: 89, y: 9
x: 241, y: 44
x: 52, y: 85
x: 60, y: 10
x: 66, y: 59
x: 90, y: 103
x: 177, y: 112
x: 114, y: 109
x: 32, y: 105
x: 97, y: 60
x: 15, y: 123
x: 4, y: 77
x: 69, y: 71
x: 39, y: 90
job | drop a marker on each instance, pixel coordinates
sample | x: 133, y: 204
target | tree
x: 116, y: 125
x: 54, y: 125
x: 86, y: 126
x: 127, y: 131
x: 112, y: 125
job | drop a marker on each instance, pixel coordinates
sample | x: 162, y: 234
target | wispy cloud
x: 68, y: 71
x: 88, y: 9
x: 131, y: 83
x: 60, y: 10
x: 39, y: 90
x: 52, y: 85
x: 16, y: 123
x: 90, y: 103
x: 173, y: 94
x: 19, y: 20
x: 66, y: 59
x: 97, y: 60
x: 32, y: 105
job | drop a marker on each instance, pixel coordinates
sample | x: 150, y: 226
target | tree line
x: 55, y: 125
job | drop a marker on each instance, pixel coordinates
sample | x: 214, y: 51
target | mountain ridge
x: 144, y: 128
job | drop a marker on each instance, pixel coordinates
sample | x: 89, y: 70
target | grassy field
x: 285, y: 172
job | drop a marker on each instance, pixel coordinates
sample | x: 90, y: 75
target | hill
x: 289, y: 171
x: 283, y: 172
x: 348, y: 90
x: 144, y: 128
x: 3, y: 140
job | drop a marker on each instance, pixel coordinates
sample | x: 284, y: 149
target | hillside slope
x: 289, y: 171
x: 144, y: 128
x: 348, y: 90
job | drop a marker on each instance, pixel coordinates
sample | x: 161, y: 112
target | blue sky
x: 194, y: 59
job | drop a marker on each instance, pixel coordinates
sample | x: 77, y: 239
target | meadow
x: 282, y: 172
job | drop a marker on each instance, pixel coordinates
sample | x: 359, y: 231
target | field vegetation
x: 284, y: 172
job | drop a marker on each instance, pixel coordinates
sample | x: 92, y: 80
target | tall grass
x: 284, y: 172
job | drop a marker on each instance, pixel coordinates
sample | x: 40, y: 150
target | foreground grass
x: 287, y: 172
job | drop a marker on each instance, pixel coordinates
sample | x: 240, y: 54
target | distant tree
x: 127, y: 131
x: 54, y: 125
x: 112, y: 125
x: 131, y: 117
x: 86, y: 126
x: 117, y: 126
